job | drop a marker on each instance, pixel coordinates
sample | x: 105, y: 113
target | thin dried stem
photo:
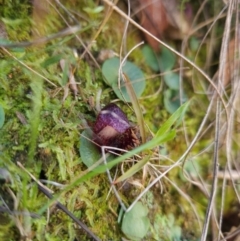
x: 222, y: 74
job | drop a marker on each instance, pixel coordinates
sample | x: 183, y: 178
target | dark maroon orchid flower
x: 112, y: 128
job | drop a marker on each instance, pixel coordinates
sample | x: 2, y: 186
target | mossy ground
x: 43, y: 125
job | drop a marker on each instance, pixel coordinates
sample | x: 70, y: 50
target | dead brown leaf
x: 161, y: 18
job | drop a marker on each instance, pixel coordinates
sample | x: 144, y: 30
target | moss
x: 16, y: 16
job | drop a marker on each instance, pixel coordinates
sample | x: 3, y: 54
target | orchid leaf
x: 88, y: 151
x: 172, y: 80
x: 172, y: 100
x: 151, y: 58
x: 110, y: 70
x: 135, y: 223
x: 167, y: 59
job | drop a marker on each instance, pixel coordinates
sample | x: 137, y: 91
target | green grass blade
x: 177, y: 115
x: 134, y: 169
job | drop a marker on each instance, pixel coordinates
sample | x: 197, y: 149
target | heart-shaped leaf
x: 172, y: 80
x: 110, y: 70
x: 163, y: 62
x: 135, y: 223
x: 151, y: 58
x: 172, y: 100
x: 89, y: 152
x: 166, y: 59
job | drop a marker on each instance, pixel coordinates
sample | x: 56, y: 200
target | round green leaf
x: 88, y: 151
x: 135, y: 75
x: 172, y: 101
x: 167, y: 59
x: 2, y: 116
x: 150, y: 58
x: 135, y: 223
x: 172, y: 80
x: 164, y: 61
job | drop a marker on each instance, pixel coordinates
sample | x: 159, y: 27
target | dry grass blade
x: 136, y: 107
x: 72, y: 82
x: 222, y: 73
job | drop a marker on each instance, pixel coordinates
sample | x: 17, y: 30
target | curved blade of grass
x: 134, y: 169
x: 176, y: 116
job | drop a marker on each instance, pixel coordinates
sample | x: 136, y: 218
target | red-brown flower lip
x: 111, y: 115
x: 112, y: 128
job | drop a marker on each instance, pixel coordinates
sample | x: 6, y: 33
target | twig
x: 67, y: 31
x: 231, y: 235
